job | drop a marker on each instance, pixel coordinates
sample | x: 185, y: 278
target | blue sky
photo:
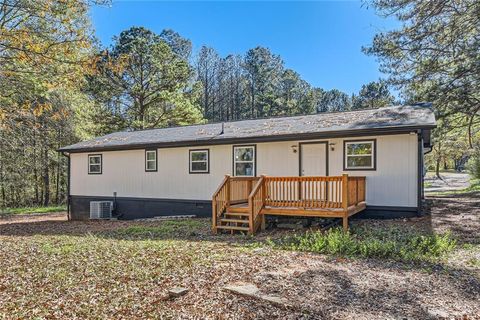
x: 320, y: 40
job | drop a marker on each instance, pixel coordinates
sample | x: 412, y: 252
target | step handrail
x: 256, y: 202
x: 220, y: 200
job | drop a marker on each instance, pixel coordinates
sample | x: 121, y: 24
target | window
x: 244, y: 161
x: 151, y: 160
x: 94, y: 164
x: 199, y: 161
x: 359, y: 155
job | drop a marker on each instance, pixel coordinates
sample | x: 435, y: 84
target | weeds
x: 391, y: 243
x: 187, y: 227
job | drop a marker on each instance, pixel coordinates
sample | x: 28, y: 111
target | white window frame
x: 373, y: 153
x: 154, y: 151
x: 206, y: 161
x: 253, y: 161
x: 90, y: 156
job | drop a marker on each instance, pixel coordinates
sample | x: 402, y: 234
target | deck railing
x: 356, y: 190
x: 304, y: 192
x: 336, y: 193
x: 241, y: 187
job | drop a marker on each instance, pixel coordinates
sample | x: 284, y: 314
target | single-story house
x: 177, y: 170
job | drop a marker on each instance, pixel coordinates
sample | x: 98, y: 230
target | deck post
x: 227, y: 195
x: 214, y: 215
x: 262, y: 225
x: 251, y: 229
x: 345, y: 200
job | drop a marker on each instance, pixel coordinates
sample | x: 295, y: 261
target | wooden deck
x: 240, y: 204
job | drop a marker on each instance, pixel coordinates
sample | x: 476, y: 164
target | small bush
x: 391, y: 243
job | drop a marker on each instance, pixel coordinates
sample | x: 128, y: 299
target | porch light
x: 332, y: 146
x: 294, y: 148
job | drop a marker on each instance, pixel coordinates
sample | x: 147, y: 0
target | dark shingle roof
x: 297, y: 127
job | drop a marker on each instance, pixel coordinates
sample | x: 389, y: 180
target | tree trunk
x: 35, y: 172
x: 57, y: 186
x: 46, y: 178
x: 437, y: 168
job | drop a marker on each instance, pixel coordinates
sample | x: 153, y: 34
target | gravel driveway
x: 450, y: 181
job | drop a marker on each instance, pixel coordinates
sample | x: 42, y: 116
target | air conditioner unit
x: 101, y: 209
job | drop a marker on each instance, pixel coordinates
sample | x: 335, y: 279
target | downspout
x: 420, y: 172
x: 68, y: 185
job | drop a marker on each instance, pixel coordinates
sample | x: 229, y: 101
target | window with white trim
x: 94, y: 164
x: 199, y: 161
x: 151, y: 160
x: 359, y: 155
x: 244, y: 161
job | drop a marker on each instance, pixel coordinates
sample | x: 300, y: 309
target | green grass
x: 371, y: 242
x: 30, y: 210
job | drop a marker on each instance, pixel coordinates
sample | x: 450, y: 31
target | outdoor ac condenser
x: 101, y: 209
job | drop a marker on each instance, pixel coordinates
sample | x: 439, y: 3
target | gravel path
x: 450, y: 181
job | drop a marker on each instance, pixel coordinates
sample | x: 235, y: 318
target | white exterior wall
x: 393, y: 183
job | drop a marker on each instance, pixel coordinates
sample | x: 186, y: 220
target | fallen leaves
x: 89, y: 270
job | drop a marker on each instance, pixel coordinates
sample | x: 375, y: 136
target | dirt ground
x: 316, y: 286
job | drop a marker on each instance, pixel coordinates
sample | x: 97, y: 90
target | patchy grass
x: 367, y: 242
x: 187, y: 227
x: 30, y: 210
x: 427, y: 184
x: 473, y: 262
x: 123, y: 269
x: 93, y: 277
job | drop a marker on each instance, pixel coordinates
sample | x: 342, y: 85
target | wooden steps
x: 237, y: 209
x: 225, y: 220
x: 236, y: 214
x: 235, y: 221
x: 233, y: 228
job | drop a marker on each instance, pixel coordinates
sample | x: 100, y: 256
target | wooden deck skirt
x: 241, y: 203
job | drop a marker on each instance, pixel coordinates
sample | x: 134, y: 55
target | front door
x: 313, y: 159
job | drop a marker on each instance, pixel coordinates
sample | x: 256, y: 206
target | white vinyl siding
x: 393, y: 183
